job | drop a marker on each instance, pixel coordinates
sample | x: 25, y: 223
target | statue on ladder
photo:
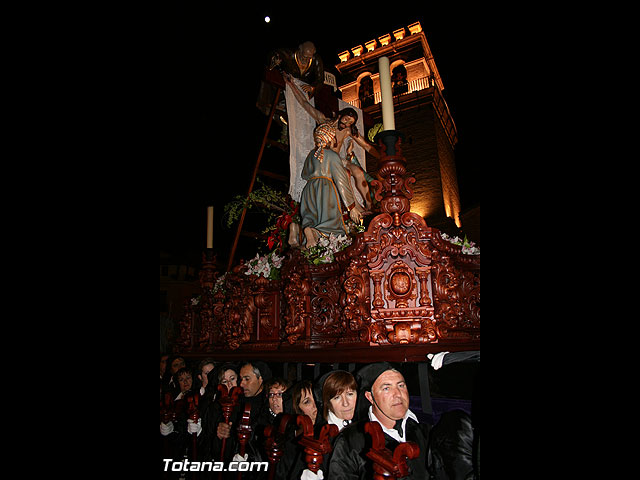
x: 302, y: 63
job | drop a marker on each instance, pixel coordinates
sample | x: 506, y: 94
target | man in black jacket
x: 387, y: 398
x: 253, y: 376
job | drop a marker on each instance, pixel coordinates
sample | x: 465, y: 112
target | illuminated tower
x: 421, y: 115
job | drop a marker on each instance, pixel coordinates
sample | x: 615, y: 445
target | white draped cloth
x: 301, y: 126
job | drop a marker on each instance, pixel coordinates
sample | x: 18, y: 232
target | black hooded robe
x: 349, y: 461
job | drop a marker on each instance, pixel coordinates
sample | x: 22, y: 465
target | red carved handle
x: 315, y: 448
x: 274, y: 442
x: 386, y: 464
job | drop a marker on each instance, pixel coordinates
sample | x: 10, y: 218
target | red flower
x: 283, y: 221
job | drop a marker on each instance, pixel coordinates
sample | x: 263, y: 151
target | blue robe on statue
x: 328, y: 182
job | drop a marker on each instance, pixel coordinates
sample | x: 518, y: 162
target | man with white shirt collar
x: 389, y: 399
x: 385, y: 390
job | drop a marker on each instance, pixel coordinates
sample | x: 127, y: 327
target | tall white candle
x: 388, y: 122
x: 209, y: 227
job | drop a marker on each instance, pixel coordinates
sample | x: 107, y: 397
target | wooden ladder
x: 275, y: 78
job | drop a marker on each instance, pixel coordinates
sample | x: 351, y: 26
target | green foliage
x: 265, y: 199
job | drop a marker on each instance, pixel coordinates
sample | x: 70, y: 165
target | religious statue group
x: 331, y: 164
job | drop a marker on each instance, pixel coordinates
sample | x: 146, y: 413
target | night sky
x: 213, y: 65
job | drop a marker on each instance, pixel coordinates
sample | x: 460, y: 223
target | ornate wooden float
x: 398, y: 292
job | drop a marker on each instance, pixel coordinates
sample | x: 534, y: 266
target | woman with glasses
x: 275, y: 388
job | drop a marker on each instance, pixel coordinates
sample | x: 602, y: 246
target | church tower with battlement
x: 421, y: 115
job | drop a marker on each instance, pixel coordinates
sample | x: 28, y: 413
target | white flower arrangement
x: 267, y: 265
x: 468, y: 247
x: 219, y: 285
x: 323, y: 251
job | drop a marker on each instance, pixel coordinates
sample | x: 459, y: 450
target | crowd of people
x: 233, y: 412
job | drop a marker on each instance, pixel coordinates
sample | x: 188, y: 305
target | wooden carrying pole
x: 228, y: 401
x: 194, y: 415
x: 244, y: 432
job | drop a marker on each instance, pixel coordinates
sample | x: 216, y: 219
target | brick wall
x: 430, y: 159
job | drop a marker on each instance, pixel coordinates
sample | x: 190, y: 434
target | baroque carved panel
x: 457, y: 298
x: 399, y: 264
